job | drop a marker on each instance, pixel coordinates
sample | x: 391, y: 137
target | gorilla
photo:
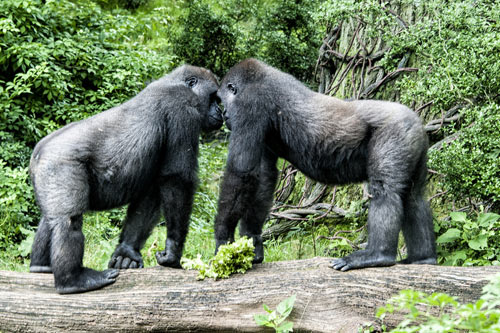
x: 142, y: 153
x: 271, y: 115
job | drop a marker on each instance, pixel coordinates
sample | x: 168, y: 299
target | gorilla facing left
x: 271, y: 114
x: 142, y: 153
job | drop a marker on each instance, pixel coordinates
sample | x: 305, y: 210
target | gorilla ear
x: 232, y: 88
x: 191, y: 81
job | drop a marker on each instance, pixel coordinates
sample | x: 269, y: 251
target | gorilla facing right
x: 271, y: 114
x: 142, y: 153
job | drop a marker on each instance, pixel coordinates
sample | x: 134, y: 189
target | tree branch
x: 166, y: 299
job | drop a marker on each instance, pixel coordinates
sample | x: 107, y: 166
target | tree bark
x: 163, y: 299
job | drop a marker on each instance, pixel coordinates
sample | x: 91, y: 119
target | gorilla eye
x: 192, y: 81
x: 232, y: 88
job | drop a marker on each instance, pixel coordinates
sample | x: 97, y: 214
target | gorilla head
x: 273, y: 115
x: 202, y: 82
x: 142, y: 153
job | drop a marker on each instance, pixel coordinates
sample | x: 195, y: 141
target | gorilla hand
x: 171, y: 256
x: 125, y: 257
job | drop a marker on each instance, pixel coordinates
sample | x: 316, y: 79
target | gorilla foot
x: 257, y: 259
x: 125, y: 257
x: 168, y: 259
x: 362, y: 259
x: 259, y: 253
x: 425, y: 261
x: 258, y: 249
x: 40, y: 269
x: 88, y: 280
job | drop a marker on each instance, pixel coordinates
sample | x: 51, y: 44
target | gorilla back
x: 271, y: 115
x: 142, y: 153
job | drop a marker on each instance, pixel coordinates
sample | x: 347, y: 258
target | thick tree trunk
x: 161, y: 299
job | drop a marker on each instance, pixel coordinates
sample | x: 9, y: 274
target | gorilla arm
x: 242, y: 175
x: 177, y: 183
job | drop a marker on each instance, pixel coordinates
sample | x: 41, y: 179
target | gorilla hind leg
x: 255, y: 217
x: 418, y: 229
x: 418, y: 232
x: 40, y: 251
x: 384, y: 223
x: 67, y: 257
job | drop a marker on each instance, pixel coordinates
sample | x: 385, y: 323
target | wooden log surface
x: 164, y: 299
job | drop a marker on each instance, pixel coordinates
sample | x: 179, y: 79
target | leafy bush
x: 206, y: 39
x: 16, y: 202
x: 218, y: 35
x: 457, y: 49
x: 60, y: 63
x: 467, y: 242
x: 289, y: 38
x: 128, y: 4
x: 481, y: 316
x: 471, y: 163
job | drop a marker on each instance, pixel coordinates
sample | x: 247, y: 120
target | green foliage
x: 231, y: 258
x: 289, y: 38
x: 206, y: 39
x: 457, y: 47
x: 467, y: 242
x: 60, y: 63
x: 440, y: 312
x: 218, y: 35
x: 471, y: 163
x: 211, y: 161
x: 276, y: 318
x: 16, y: 203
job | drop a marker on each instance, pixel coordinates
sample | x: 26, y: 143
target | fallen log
x: 164, y: 299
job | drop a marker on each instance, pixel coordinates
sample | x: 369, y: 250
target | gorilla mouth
x: 217, y: 119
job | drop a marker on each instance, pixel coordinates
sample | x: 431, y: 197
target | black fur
x: 142, y: 153
x: 271, y: 114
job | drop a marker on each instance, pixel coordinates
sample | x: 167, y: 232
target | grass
x: 101, y: 238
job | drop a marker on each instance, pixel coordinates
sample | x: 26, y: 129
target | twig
x: 437, y: 195
x: 362, y: 78
x: 331, y: 205
x: 352, y: 39
x: 391, y: 76
x: 401, y: 22
x: 420, y: 108
x: 435, y: 172
x: 342, y: 77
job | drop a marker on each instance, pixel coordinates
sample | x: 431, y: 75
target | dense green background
x: 62, y: 61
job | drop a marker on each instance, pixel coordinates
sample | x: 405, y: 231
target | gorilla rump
x: 271, y: 115
x: 142, y: 153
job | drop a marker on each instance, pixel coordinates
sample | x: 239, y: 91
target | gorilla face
x: 242, y: 87
x: 228, y: 95
x: 214, y: 121
x: 204, y: 84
